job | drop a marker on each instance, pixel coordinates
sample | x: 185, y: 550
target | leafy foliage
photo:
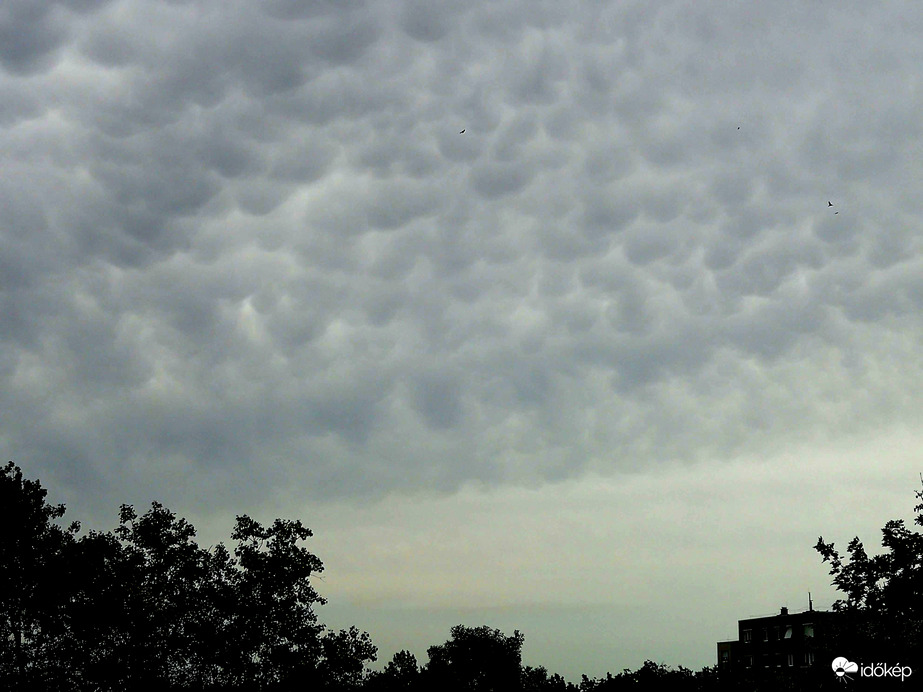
x: 144, y: 607
x: 273, y: 621
x: 477, y: 659
x: 650, y: 676
x: 400, y: 675
x: 538, y: 680
x: 33, y: 594
x: 345, y: 654
x: 883, y: 604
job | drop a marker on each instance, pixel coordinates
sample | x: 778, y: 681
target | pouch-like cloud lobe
x: 244, y: 251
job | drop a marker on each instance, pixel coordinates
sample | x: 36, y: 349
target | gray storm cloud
x: 247, y: 241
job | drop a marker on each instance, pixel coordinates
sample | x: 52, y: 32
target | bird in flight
x: 829, y: 203
x: 462, y: 132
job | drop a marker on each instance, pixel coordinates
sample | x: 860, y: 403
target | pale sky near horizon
x: 601, y: 369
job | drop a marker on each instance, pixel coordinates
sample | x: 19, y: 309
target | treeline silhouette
x: 143, y: 607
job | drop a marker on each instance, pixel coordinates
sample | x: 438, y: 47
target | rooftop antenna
x: 810, y: 602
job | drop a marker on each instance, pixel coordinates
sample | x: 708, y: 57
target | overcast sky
x: 602, y: 368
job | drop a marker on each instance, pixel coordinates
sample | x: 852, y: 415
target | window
x: 748, y: 661
x: 747, y: 635
x: 809, y: 629
x: 788, y: 632
x: 809, y: 658
x: 725, y: 656
x: 791, y: 660
x: 765, y: 634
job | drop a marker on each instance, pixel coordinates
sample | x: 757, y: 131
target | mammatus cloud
x: 244, y: 246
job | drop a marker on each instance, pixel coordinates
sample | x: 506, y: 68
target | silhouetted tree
x: 33, y: 591
x: 273, y: 623
x: 144, y: 607
x: 658, y: 676
x: 537, y: 679
x: 400, y: 675
x: 476, y: 659
x: 883, y: 605
x: 345, y: 654
x: 99, y: 643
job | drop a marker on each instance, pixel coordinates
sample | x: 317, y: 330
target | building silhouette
x: 792, y: 642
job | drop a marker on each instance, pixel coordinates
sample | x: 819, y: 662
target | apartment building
x: 793, y: 641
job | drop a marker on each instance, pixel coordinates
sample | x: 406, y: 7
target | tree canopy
x: 478, y: 659
x: 882, y: 606
x: 145, y: 607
